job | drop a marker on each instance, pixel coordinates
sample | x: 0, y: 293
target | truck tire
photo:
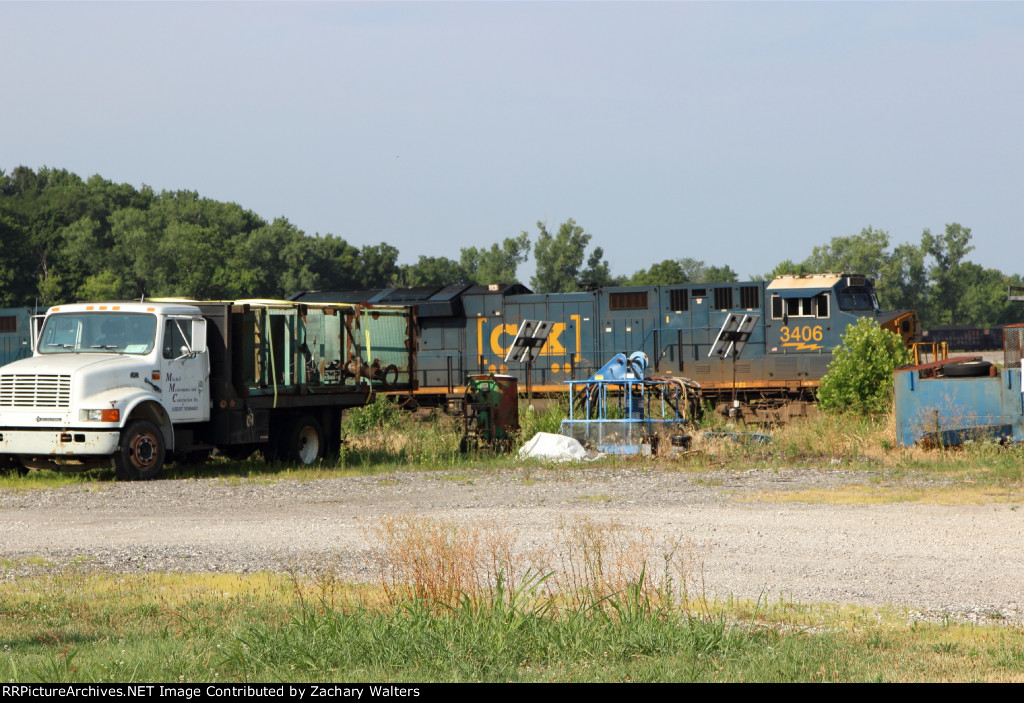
x: 304, y: 441
x: 967, y: 369
x: 141, y: 454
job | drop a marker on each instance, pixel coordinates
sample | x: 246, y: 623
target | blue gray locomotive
x: 468, y: 329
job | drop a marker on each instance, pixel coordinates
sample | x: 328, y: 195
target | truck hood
x: 75, y: 363
x: 59, y: 386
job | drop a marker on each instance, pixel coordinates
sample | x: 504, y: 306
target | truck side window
x: 177, y: 334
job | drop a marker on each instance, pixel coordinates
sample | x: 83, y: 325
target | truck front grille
x: 45, y: 390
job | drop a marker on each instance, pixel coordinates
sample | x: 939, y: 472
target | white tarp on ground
x: 553, y: 447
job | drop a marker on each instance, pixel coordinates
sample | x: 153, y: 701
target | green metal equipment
x: 491, y: 412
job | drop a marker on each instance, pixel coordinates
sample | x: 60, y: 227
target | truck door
x: 184, y: 373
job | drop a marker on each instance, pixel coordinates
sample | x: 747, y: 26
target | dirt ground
x: 962, y: 561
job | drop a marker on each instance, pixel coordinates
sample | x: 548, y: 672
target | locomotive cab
x: 809, y: 313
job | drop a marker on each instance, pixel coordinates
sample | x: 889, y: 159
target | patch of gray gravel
x: 938, y: 561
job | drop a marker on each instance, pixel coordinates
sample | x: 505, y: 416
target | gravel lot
x: 963, y: 561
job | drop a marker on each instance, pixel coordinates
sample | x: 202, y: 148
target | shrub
x: 859, y: 379
x: 379, y: 416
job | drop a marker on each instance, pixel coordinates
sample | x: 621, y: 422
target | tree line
x: 63, y: 238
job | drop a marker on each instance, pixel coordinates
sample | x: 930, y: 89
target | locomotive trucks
x: 130, y: 383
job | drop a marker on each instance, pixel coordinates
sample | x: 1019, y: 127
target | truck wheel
x: 305, y: 441
x: 141, y: 454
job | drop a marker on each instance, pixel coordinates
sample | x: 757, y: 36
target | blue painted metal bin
x: 945, y: 410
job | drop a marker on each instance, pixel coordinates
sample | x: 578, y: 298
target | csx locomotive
x: 468, y: 329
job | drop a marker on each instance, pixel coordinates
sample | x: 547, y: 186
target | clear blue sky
x: 735, y: 133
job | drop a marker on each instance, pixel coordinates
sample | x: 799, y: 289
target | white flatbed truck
x: 131, y: 383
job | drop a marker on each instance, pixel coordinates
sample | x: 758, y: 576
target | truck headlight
x: 105, y: 415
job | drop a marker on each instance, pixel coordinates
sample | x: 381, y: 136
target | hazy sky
x: 735, y: 133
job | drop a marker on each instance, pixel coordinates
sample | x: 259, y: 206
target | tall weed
x: 443, y: 562
x: 546, y: 417
x: 588, y: 563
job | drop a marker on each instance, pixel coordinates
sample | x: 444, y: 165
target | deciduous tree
x: 863, y: 253
x: 902, y: 282
x: 684, y: 270
x: 949, y: 285
x: 499, y: 263
x: 559, y: 257
x: 432, y: 271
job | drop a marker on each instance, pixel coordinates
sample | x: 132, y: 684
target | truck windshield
x: 123, y: 333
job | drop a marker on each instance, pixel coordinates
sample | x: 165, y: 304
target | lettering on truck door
x: 184, y: 376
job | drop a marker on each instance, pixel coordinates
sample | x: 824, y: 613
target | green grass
x: 77, y: 627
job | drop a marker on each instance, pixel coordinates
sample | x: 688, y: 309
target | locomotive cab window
x: 814, y: 306
x: 821, y: 305
x: 858, y: 299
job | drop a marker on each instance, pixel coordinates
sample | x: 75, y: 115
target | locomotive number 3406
x: 807, y: 333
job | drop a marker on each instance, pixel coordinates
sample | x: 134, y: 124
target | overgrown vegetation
x: 383, y: 437
x: 465, y: 603
x: 859, y: 378
x: 849, y: 441
x: 380, y: 416
x: 542, y: 418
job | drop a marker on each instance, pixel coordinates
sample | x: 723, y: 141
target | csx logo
x: 501, y: 336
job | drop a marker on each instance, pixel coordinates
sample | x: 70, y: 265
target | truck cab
x: 106, y: 382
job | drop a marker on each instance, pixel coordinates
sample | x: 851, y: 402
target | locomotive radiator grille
x: 35, y: 391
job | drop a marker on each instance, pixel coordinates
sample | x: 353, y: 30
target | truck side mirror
x: 37, y: 327
x: 198, y: 336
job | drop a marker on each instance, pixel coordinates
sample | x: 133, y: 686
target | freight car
x: 468, y: 329
x: 964, y: 338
